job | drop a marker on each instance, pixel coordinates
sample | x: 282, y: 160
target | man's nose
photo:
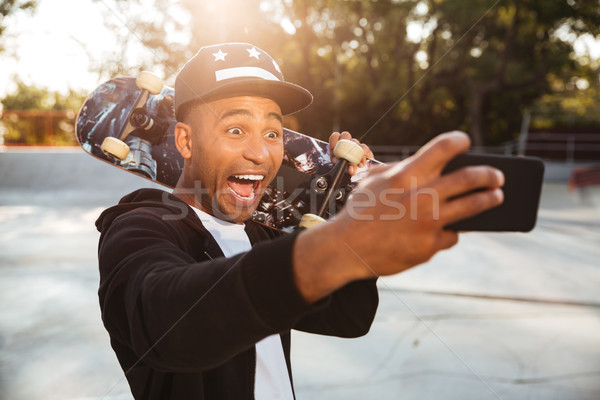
x: 256, y: 150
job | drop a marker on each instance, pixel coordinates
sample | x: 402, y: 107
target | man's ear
x: 183, y: 139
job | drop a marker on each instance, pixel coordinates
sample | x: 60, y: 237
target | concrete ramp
x: 57, y: 175
x: 499, y: 316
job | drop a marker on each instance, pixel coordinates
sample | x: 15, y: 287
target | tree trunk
x: 478, y: 96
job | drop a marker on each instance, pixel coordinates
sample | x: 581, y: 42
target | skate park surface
x: 499, y: 316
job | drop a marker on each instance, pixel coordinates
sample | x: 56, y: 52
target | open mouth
x: 245, y: 187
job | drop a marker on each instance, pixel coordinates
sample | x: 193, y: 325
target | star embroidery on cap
x: 253, y: 52
x: 220, y: 55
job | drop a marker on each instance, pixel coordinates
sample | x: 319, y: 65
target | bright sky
x: 53, y: 47
x: 56, y: 45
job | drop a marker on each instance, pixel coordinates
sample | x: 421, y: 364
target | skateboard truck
x: 133, y: 151
x: 139, y: 159
x: 347, y: 152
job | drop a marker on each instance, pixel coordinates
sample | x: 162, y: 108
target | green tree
x: 26, y: 118
x: 513, y: 54
x: 573, y: 104
x: 477, y: 65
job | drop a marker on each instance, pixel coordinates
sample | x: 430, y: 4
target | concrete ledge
x: 52, y: 169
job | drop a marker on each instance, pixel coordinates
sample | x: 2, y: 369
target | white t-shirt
x: 272, y: 381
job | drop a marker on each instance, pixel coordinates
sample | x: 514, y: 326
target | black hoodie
x: 183, y: 319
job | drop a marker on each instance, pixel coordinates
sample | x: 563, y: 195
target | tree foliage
x: 573, y: 105
x: 23, y: 127
x: 476, y: 65
x: 30, y: 97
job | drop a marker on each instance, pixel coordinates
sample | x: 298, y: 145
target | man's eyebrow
x: 246, y: 113
x: 276, y: 116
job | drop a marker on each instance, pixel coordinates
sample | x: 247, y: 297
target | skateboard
x: 129, y: 123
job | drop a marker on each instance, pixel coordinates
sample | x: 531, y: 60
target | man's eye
x: 272, y: 135
x: 235, y: 131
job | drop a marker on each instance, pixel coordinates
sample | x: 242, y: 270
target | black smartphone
x: 522, y: 189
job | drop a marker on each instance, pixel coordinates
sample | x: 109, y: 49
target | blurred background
x: 397, y: 71
x: 501, y: 316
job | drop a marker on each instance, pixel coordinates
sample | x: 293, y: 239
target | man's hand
x: 395, y: 219
x: 335, y: 137
x: 404, y: 226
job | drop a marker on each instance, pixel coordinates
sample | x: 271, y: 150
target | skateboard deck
x: 120, y: 105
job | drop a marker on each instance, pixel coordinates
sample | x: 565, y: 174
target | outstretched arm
x: 395, y: 219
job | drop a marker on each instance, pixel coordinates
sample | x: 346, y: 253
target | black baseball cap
x: 236, y: 69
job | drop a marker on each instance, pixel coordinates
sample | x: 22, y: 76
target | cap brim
x: 291, y: 98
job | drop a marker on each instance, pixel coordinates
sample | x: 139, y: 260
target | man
x: 199, y: 300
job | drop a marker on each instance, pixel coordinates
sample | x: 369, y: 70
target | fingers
x: 470, y: 205
x: 467, y: 179
x: 459, y: 198
x: 440, y: 150
x: 335, y: 138
x: 368, y: 154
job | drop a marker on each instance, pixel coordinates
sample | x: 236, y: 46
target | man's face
x: 236, y: 151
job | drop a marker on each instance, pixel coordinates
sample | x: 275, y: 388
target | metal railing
x: 37, y: 127
x: 566, y: 147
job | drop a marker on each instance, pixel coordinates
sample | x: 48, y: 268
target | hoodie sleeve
x: 349, y: 313
x: 177, y: 314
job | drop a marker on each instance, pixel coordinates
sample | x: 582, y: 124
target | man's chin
x: 235, y: 213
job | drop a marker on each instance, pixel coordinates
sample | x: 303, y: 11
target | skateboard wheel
x: 114, y: 148
x: 148, y: 81
x: 349, y: 150
x: 310, y: 220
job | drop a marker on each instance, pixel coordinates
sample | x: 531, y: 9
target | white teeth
x: 250, y: 177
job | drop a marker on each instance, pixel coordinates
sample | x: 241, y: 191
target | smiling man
x: 199, y: 300
x: 247, y: 131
